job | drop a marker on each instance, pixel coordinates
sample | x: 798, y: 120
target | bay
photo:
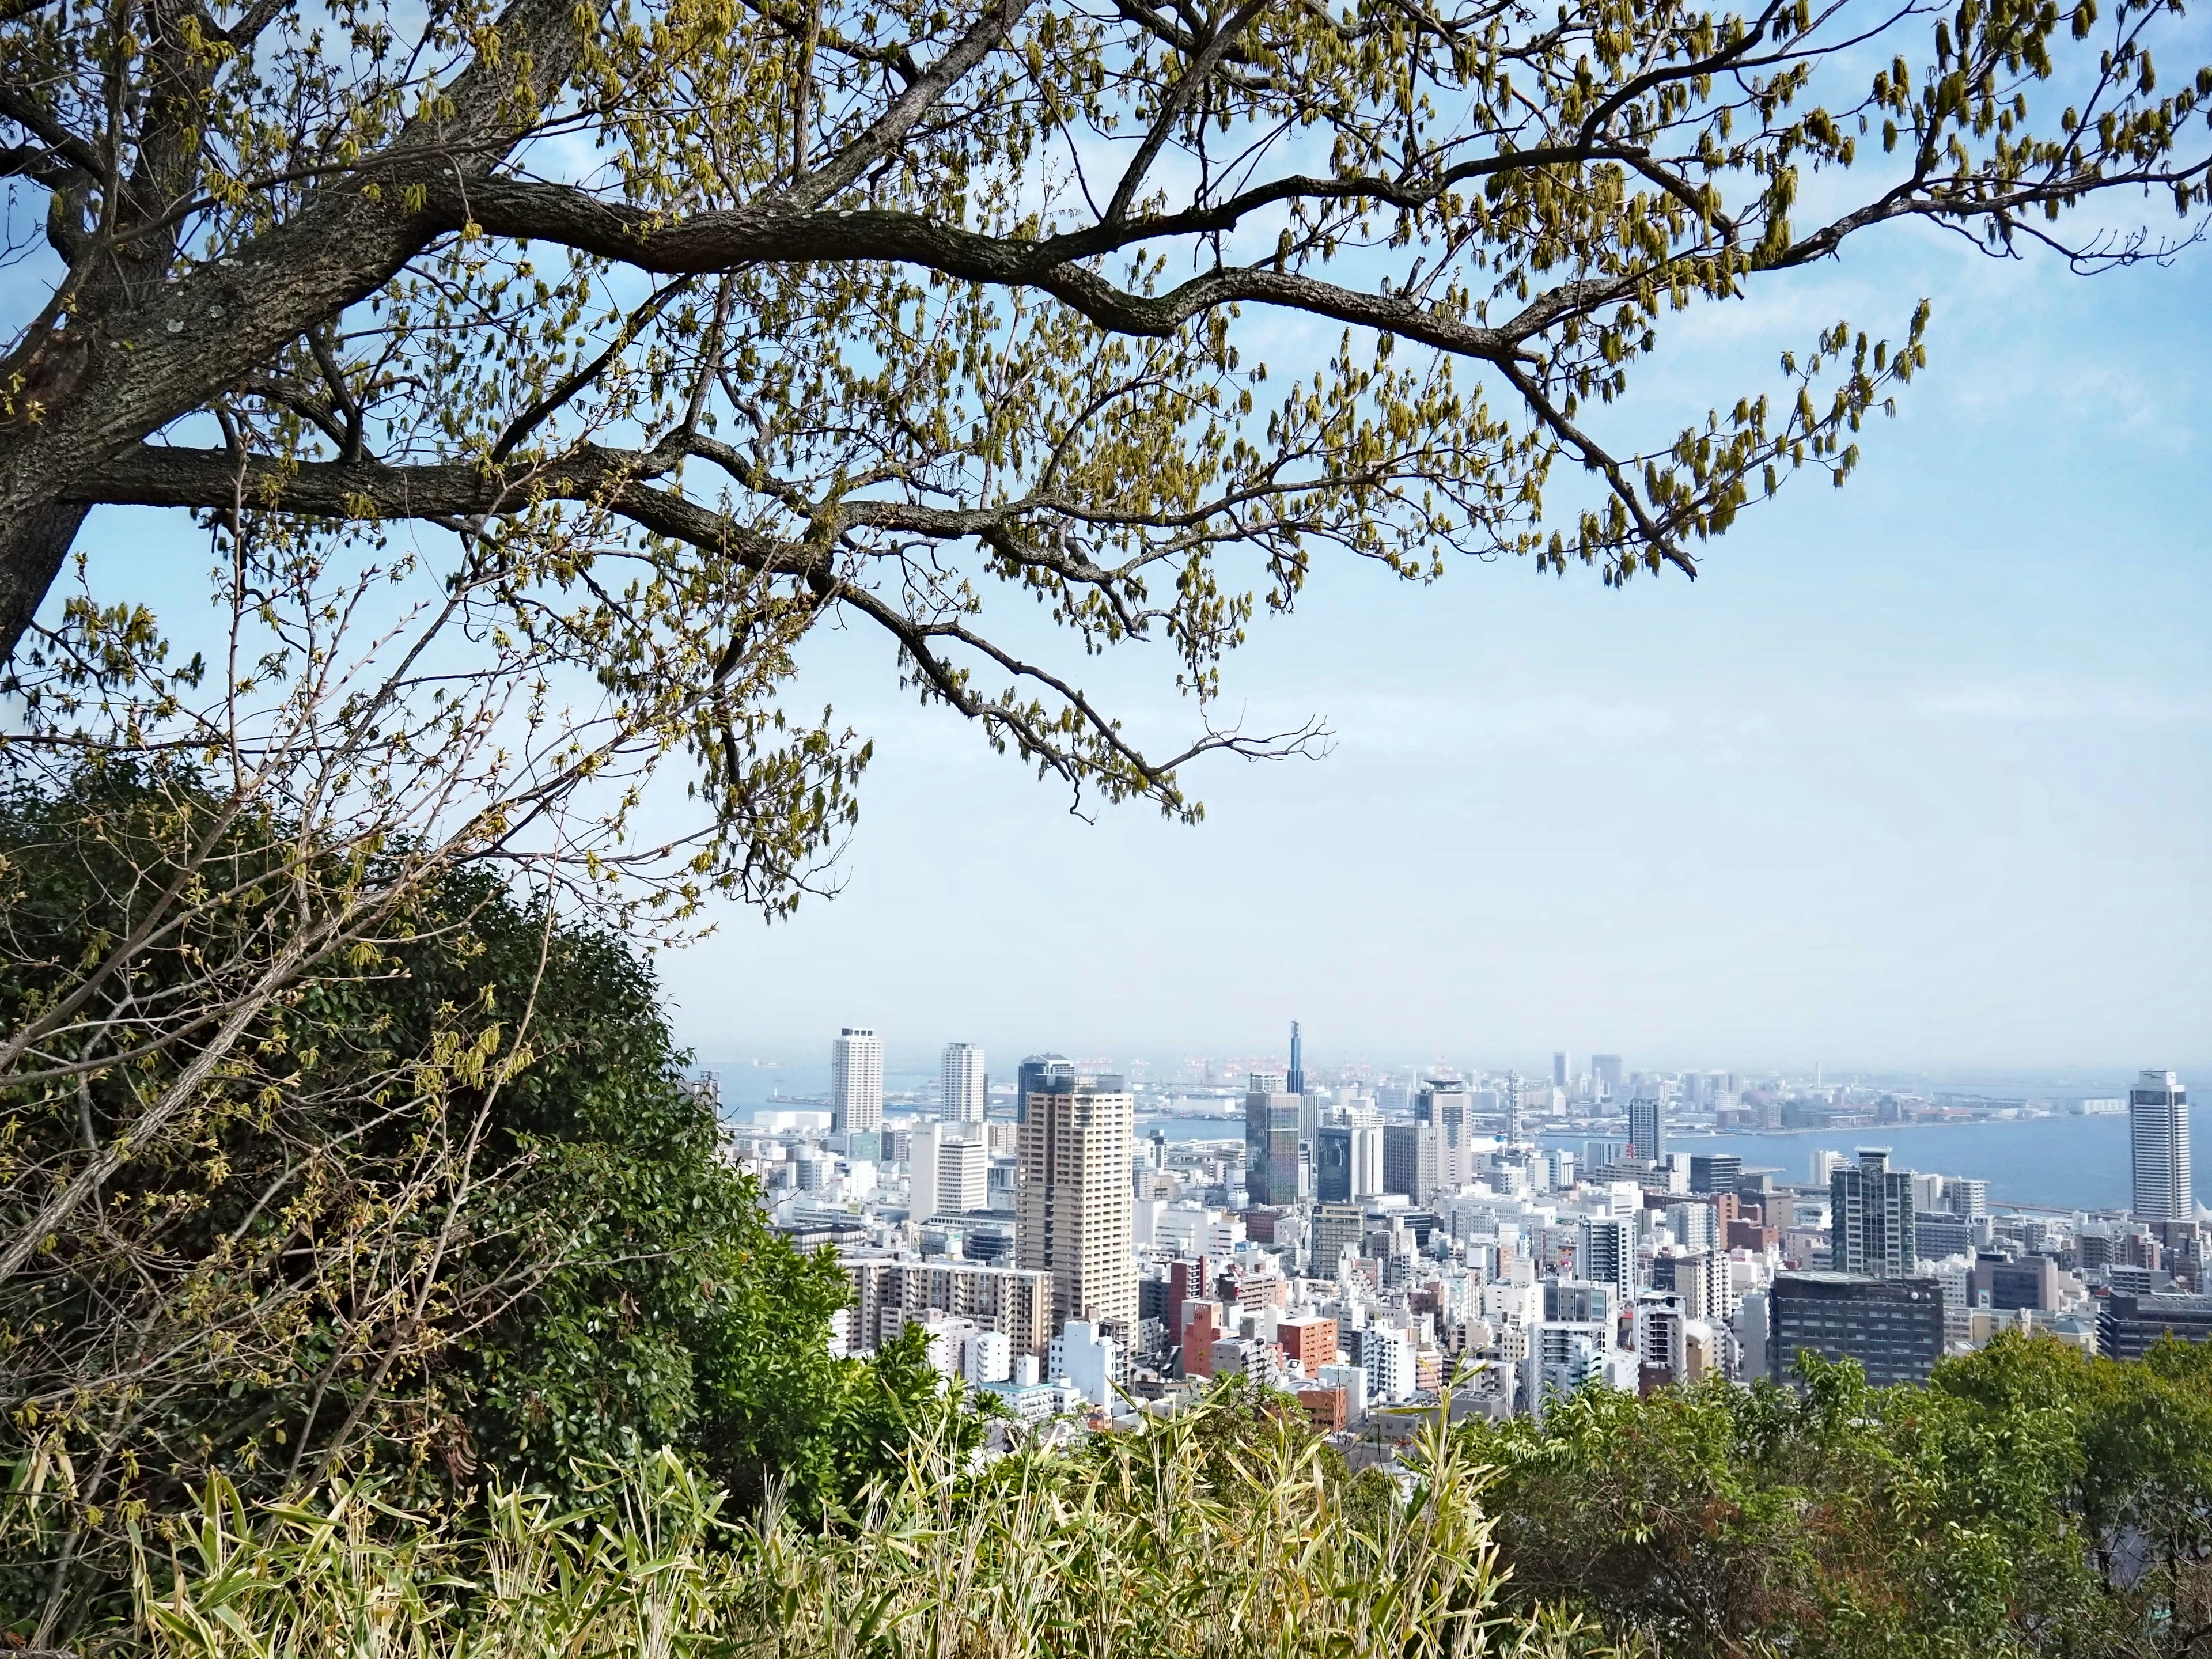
x: 2064, y: 1163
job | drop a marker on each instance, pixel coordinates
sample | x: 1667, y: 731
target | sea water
x: 2067, y: 1162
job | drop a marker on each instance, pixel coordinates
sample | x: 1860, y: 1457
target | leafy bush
x: 2029, y: 1500
x: 451, y: 1213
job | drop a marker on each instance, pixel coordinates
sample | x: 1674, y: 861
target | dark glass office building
x: 1892, y: 1327
x: 1331, y: 1165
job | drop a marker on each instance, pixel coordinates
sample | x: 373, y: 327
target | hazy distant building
x: 1331, y: 1165
x: 1870, y: 1217
x: 1647, y: 1128
x: 1444, y: 1105
x: 1966, y: 1196
x: 963, y: 1084
x: 1366, y: 1126
x: 2157, y: 1130
x: 1409, y: 1160
x: 856, y: 1082
x: 1271, y: 1142
x: 1892, y: 1327
x: 1715, y: 1172
x: 1606, y: 1073
x: 1336, y: 1228
x: 1563, y: 1070
x: 1074, y: 1210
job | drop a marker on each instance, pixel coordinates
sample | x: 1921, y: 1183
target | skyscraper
x: 856, y: 1082
x: 1606, y: 1074
x: 1870, y: 1217
x: 1562, y: 1069
x: 1297, y: 1081
x: 1271, y: 1141
x: 1647, y: 1128
x: 1444, y: 1105
x: 2158, y: 1129
x: 963, y: 1094
x: 1074, y: 1211
x: 1512, y: 1108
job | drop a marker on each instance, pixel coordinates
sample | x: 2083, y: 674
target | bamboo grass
x: 1218, y: 1534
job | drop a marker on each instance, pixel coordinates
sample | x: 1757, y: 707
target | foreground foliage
x: 2029, y: 1500
x: 1219, y: 1534
x: 448, y: 1210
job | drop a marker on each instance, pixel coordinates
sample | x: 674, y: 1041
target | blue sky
x: 1916, y: 775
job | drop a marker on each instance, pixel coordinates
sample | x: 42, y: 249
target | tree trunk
x: 32, y: 550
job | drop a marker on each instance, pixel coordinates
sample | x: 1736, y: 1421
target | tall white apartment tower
x: 1075, y: 1213
x: 2158, y: 1129
x: 963, y: 1101
x: 856, y: 1082
x: 1605, y: 1254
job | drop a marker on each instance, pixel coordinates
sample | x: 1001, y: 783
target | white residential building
x: 2158, y: 1131
x: 1089, y: 1362
x: 962, y: 1083
x: 856, y: 1082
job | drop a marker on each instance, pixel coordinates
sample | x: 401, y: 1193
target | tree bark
x: 32, y: 550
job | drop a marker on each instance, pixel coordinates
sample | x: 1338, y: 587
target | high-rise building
x: 1513, y: 1108
x: 1074, y: 1211
x: 1605, y: 1254
x: 1563, y: 1064
x: 1271, y: 1142
x: 856, y: 1082
x: 1606, y: 1074
x: 1409, y: 1160
x: 964, y: 1084
x: 1036, y: 1073
x: 1336, y: 1228
x: 1296, y: 1082
x: 1647, y: 1128
x: 2157, y: 1130
x: 1444, y: 1105
x: 1870, y: 1217
x: 1824, y: 1163
x: 1892, y: 1327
